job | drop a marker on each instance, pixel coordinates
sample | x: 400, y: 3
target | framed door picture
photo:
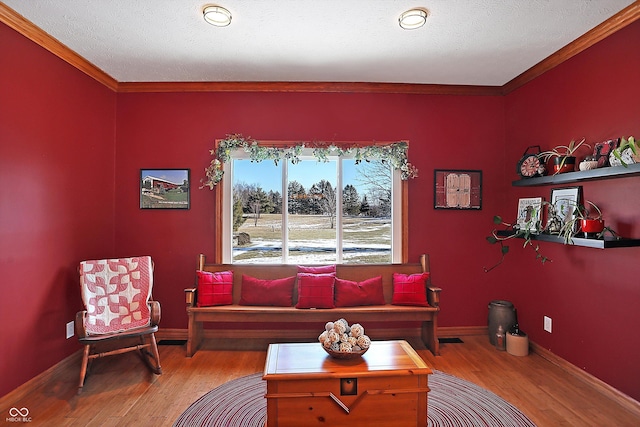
x: 457, y: 189
x: 164, y: 188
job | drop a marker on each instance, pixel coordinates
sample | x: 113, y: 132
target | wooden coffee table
x: 387, y: 386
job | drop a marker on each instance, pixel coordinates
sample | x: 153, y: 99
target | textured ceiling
x: 465, y: 42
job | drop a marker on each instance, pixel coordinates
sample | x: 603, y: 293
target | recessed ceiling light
x: 413, y: 18
x: 217, y: 15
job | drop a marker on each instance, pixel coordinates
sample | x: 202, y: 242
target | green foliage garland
x: 395, y: 154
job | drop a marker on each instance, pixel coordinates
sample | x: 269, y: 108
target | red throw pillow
x: 315, y: 290
x: 278, y: 292
x: 367, y: 292
x: 322, y: 269
x: 215, y: 288
x: 410, y: 289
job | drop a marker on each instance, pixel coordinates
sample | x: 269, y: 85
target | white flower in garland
x: 395, y: 154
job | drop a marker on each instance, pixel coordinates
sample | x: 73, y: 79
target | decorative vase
x: 501, y: 314
x: 591, y: 227
x: 564, y: 164
x: 588, y: 163
x: 626, y: 156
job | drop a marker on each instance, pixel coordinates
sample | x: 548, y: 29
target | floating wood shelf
x: 568, y: 177
x: 606, y: 243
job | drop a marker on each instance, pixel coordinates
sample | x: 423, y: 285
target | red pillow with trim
x: 315, y: 290
x: 351, y: 294
x: 215, y: 288
x: 322, y: 269
x: 410, y: 289
x: 277, y: 292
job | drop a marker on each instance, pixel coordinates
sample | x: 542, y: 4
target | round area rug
x: 452, y: 402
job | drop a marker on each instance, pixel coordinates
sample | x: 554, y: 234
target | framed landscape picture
x: 164, y: 188
x: 529, y: 210
x: 457, y: 189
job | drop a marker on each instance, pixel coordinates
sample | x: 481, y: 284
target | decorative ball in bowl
x: 343, y: 341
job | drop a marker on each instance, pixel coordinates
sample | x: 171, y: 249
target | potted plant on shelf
x: 560, y: 222
x: 584, y: 220
x: 564, y: 156
x: 626, y: 154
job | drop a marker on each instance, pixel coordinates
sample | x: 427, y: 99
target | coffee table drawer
x: 375, y: 401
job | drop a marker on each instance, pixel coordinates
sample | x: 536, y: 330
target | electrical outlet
x: 547, y: 324
x: 70, y: 329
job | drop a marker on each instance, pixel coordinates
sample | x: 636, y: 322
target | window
x: 296, y: 214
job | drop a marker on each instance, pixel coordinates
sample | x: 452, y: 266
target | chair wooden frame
x: 140, y: 339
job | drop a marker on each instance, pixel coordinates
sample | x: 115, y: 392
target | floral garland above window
x: 395, y: 154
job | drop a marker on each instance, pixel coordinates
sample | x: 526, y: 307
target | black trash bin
x: 500, y: 313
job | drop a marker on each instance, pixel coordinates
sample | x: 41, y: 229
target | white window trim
x: 227, y: 208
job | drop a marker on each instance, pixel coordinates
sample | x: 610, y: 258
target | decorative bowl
x: 344, y: 354
x: 591, y: 225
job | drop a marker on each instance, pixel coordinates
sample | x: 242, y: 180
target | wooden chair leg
x: 156, y: 354
x: 83, y: 367
x: 152, y: 360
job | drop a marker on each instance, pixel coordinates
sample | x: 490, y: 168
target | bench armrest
x: 190, y: 296
x: 433, y: 296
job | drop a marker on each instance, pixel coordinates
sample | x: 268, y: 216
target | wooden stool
x: 518, y: 345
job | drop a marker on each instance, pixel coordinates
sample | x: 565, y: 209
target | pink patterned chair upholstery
x: 117, y: 297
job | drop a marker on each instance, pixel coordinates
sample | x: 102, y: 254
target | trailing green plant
x: 514, y: 231
x: 394, y: 154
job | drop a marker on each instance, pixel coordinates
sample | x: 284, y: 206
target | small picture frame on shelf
x: 529, y: 214
x: 457, y: 189
x: 565, y: 201
x: 164, y: 188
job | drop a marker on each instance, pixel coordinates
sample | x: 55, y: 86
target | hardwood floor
x: 120, y: 391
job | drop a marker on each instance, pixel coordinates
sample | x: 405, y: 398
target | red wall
x: 592, y: 295
x: 74, y: 194
x: 56, y: 202
x: 177, y: 130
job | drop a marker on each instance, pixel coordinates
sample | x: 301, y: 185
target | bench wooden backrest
x: 353, y: 272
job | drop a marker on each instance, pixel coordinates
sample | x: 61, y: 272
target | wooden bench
x: 387, y: 313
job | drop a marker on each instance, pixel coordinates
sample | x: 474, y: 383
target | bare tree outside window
x: 311, y: 214
x: 377, y: 179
